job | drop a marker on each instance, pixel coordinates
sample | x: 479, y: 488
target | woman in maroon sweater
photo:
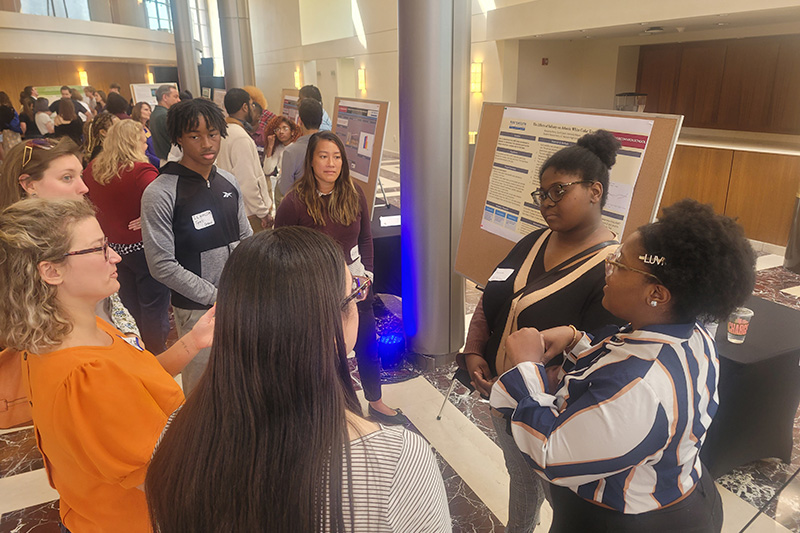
x: 325, y: 199
x: 116, y: 179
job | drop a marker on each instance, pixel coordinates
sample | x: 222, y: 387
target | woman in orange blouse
x: 99, y: 400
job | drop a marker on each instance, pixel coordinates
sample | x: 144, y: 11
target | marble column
x: 434, y: 52
x: 237, y: 43
x: 188, y: 76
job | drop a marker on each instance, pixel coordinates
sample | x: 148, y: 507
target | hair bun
x: 603, y: 144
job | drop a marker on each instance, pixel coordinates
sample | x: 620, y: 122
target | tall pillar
x: 434, y: 51
x: 188, y: 77
x: 237, y: 43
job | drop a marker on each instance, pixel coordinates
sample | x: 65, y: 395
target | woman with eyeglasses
x: 116, y: 179
x: 326, y: 199
x: 272, y: 438
x: 99, y: 400
x: 619, y: 434
x: 553, y: 276
x: 281, y: 133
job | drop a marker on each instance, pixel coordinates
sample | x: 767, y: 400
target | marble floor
x: 463, y: 439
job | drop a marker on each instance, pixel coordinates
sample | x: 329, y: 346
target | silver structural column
x: 188, y: 77
x: 434, y: 51
x: 237, y: 43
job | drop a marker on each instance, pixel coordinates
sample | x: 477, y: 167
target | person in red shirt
x: 116, y: 179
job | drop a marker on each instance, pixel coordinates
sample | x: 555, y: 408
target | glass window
x: 159, y: 16
x: 74, y: 9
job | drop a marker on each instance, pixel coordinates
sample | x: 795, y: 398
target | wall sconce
x: 83, y: 77
x: 362, y: 79
x: 476, y: 78
x: 150, y: 78
x: 297, y: 83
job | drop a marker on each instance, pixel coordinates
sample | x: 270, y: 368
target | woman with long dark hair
x: 272, y: 437
x: 141, y: 113
x: 326, y: 199
x: 618, y: 433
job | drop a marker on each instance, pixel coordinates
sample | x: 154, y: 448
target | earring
x: 653, y: 303
x: 32, y: 195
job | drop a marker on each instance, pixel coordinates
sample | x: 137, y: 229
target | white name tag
x: 354, y: 253
x: 133, y: 341
x: 501, y: 274
x: 203, y: 220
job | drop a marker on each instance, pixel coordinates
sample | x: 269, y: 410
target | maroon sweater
x: 293, y: 212
x: 119, y: 201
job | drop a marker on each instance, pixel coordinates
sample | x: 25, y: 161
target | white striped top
x: 625, y: 426
x: 397, y: 486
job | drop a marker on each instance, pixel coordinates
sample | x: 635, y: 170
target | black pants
x: 146, y: 299
x: 369, y: 362
x: 700, y: 512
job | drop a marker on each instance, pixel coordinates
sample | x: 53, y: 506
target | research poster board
x: 361, y: 125
x: 513, y: 143
x: 219, y: 99
x: 53, y: 92
x: 289, y: 98
x: 146, y: 92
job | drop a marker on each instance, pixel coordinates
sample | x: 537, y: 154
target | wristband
x: 576, y: 335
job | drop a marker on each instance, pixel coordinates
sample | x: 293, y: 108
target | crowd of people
x: 250, y: 230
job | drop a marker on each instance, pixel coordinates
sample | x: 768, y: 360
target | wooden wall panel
x: 658, y: 76
x: 745, y: 100
x: 17, y: 73
x: 762, y: 194
x: 698, y: 173
x: 785, y: 112
x: 699, y: 83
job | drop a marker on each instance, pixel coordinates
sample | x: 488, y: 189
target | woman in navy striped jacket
x: 619, y: 434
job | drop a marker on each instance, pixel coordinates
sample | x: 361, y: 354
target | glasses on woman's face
x: 360, y: 289
x: 283, y: 129
x: 103, y: 248
x: 555, y: 193
x: 30, y: 145
x: 612, y: 263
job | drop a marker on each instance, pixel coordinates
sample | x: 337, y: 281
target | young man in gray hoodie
x: 192, y: 218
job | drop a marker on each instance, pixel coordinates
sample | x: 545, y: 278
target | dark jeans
x: 369, y: 362
x: 700, y: 512
x: 146, y: 299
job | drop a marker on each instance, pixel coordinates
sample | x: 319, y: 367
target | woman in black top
x: 68, y: 124
x: 553, y: 276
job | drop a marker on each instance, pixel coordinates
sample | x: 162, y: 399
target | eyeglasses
x: 360, y: 289
x: 103, y: 248
x: 612, y: 262
x: 27, y: 153
x: 282, y: 129
x: 554, y: 193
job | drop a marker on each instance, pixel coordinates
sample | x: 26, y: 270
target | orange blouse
x: 98, y: 412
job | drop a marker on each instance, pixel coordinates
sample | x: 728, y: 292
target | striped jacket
x: 625, y: 426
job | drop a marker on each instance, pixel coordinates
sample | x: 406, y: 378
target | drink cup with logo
x: 738, y: 323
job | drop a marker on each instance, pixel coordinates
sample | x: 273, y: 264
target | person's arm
x: 158, y: 202
x: 177, y: 356
x: 365, y: 246
x: 247, y: 169
x: 610, y: 427
x: 474, y: 350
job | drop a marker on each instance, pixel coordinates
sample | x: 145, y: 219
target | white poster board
x: 289, y: 106
x: 527, y: 138
x: 146, y: 92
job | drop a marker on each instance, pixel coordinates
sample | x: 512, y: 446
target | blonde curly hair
x: 122, y: 148
x: 32, y: 231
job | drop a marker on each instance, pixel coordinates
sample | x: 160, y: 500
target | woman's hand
x: 479, y: 374
x: 202, y: 333
x: 525, y: 344
x: 135, y: 224
x: 270, y: 145
x: 556, y: 340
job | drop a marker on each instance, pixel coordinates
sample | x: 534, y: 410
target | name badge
x: 354, y: 253
x: 203, y: 220
x: 501, y: 274
x: 133, y: 341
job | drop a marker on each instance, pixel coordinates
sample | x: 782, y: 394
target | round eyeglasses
x: 103, y: 248
x: 360, y: 288
x: 612, y: 263
x: 555, y: 193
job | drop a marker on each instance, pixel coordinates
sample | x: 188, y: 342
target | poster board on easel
x: 146, y: 92
x: 514, y: 140
x: 361, y: 125
x: 289, y: 98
